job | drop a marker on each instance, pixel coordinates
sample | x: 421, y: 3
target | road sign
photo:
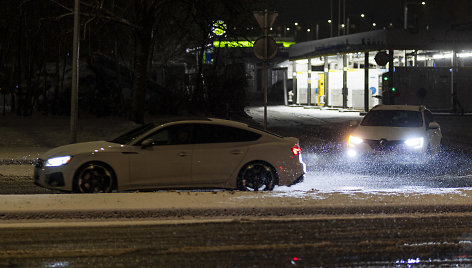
x: 265, y: 48
x: 260, y: 17
x: 259, y: 48
x: 382, y: 58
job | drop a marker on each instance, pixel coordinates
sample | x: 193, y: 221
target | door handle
x: 236, y: 152
x: 183, y: 154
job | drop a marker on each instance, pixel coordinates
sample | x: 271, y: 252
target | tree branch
x: 61, y: 5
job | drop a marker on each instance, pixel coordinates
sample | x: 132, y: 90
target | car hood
x: 80, y: 148
x: 388, y: 133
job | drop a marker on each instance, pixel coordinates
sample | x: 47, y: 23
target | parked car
x: 396, y: 132
x: 196, y: 153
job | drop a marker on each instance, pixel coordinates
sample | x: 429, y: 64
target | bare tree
x: 144, y: 18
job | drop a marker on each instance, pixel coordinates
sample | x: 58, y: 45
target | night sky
x: 310, y: 12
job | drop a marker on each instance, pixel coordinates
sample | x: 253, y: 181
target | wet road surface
x: 363, y: 240
x: 334, y: 172
x: 417, y: 237
x: 329, y: 170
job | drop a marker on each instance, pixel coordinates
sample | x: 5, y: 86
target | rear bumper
x: 289, y: 175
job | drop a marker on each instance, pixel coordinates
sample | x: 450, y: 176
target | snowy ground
x: 322, y: 134
x: 329, y: 182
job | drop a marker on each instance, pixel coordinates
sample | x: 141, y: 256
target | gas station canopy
x: 383, y: 40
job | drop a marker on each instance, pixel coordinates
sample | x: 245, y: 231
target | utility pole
x: 345, y: 89
x: 405, y: 16
x: 75, y: 76
x: 266, y: 33
x: 405, y: 12
x: 339, y: 18
x: 268, y: 47
x: 344, y: 16
x: 331, y: 19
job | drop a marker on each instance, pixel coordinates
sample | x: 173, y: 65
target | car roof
x: 218, y: 121
x: 399, y: 107
x: 181, y: 120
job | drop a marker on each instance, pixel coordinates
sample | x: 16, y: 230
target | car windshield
x: 393, y: 118
x: 131, y: 135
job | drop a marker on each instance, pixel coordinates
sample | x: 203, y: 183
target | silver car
x: 203, y: 153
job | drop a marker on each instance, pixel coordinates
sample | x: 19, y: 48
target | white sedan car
x: 204, y: 153
x: 399, y: 132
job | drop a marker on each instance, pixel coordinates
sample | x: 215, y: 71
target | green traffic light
x: 393, y: 89
x: 386, y: 78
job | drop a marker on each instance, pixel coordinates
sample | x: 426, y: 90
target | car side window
x: 208, y: 133
x: 172, y: 135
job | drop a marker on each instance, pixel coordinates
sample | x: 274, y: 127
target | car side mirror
x: 433, y: 125
x: 147, y: 143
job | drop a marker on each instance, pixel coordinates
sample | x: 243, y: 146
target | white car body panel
x: 161, y: 160
x: 228, y: 155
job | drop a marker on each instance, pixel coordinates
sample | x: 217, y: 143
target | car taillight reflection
x: 296, y: 150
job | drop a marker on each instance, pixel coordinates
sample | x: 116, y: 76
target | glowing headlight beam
x: 58, y: 161
x: 351, y: 153
x: 416, y: 143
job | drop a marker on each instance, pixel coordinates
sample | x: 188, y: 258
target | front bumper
x: 49, y: 177
x: 396, y: 151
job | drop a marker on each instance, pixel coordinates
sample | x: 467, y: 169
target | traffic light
x: 386, y: 81
x: 388, y: 89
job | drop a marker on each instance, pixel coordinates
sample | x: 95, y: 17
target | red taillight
x: 296, y: 150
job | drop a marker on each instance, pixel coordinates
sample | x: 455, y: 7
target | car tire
x: 95, y: 177
x: 257, y: 176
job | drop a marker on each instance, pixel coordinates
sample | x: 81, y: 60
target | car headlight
x: 57, y: 161
x: 416, y: 143
x: 352, y: 141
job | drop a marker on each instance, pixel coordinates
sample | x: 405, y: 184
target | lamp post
x: 330, y: 21
x: 296, y: 28
x: 348, y: 20
x: 405, y: 12
x: 330, y: 28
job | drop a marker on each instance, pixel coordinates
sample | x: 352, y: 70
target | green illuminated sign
x: 245, y: 43
x: 219, y: 27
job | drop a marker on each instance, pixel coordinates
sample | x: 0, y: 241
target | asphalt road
x: 322, y: 137
x: 368, y: 236
x: 329, y: 171
x: 362, y: 240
